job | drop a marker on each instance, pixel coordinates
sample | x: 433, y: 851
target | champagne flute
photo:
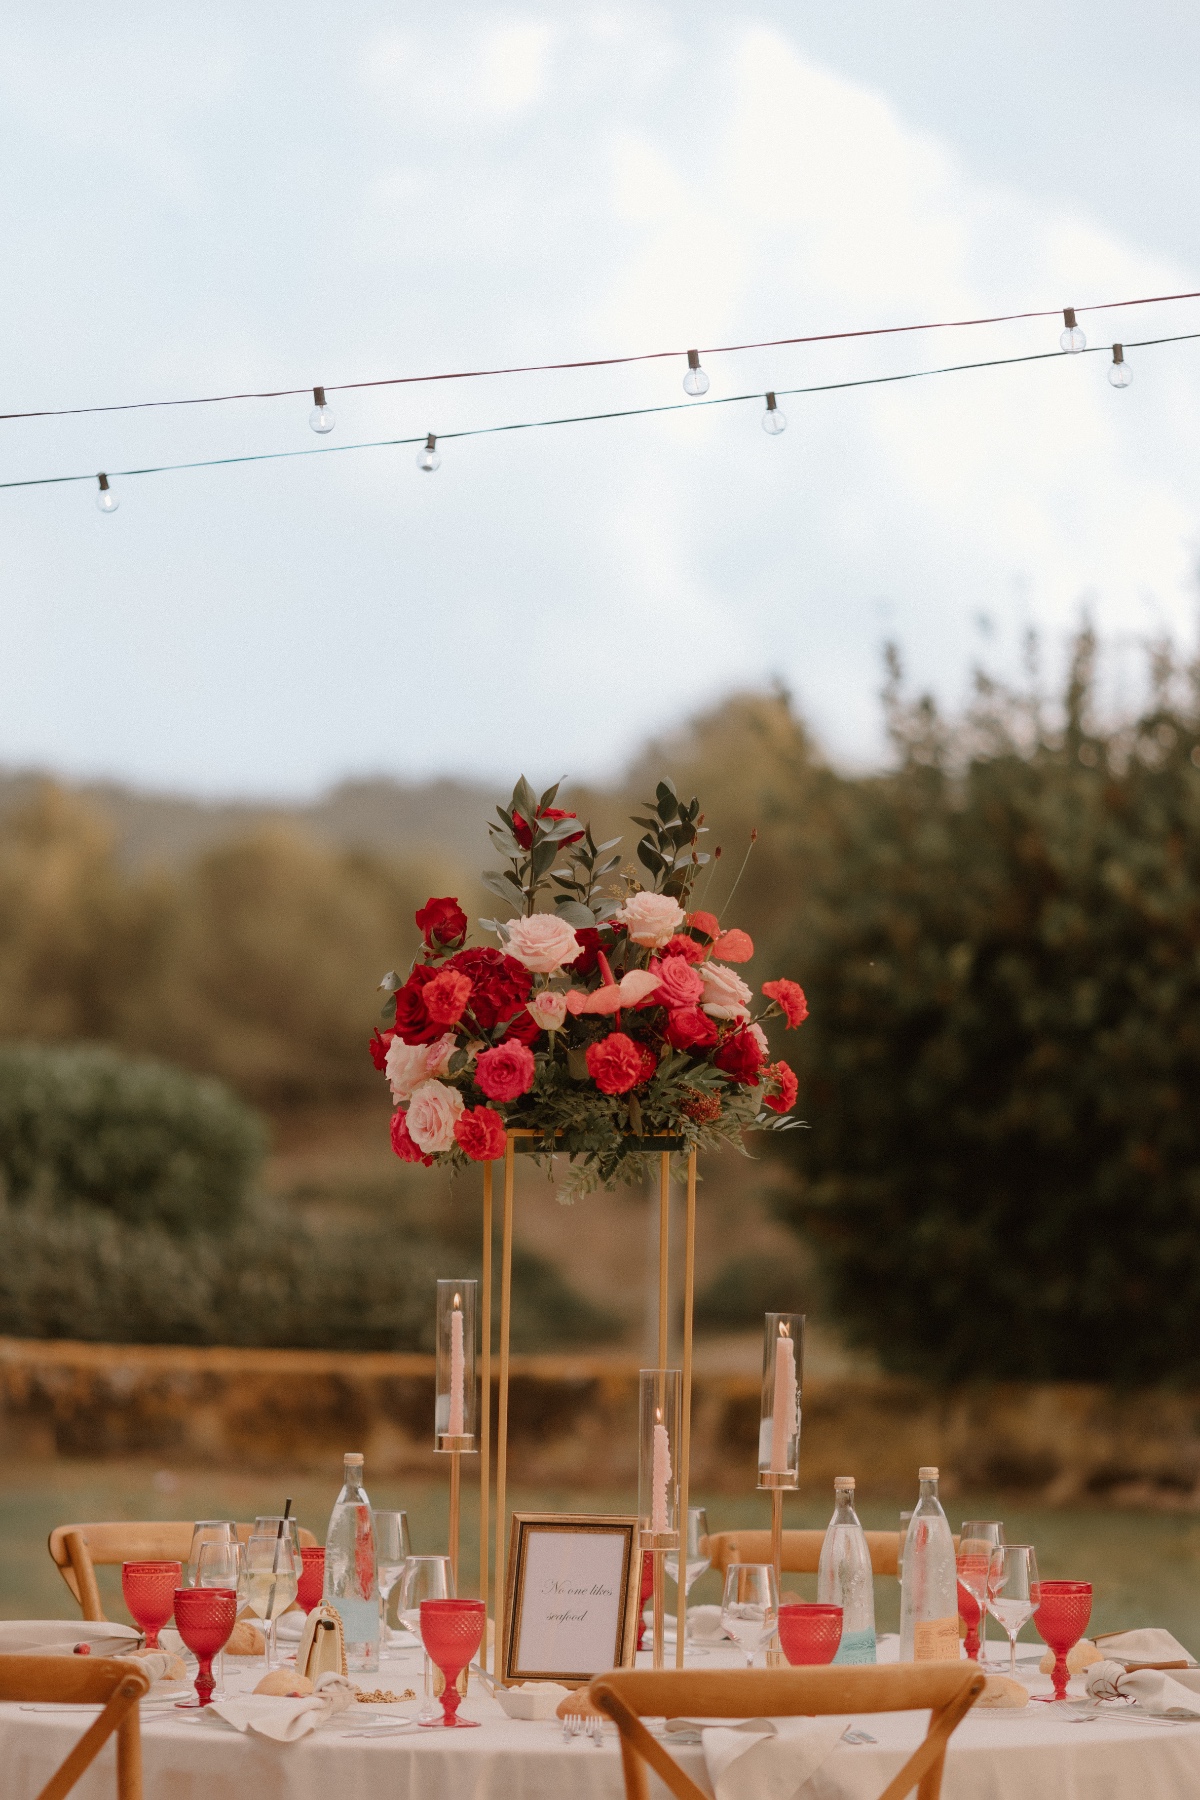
x: 393, y: 1547
x: 978, y: 1538
x: 269, y: 1579
x: 424, y: 1578
x: 219, y: 1565
x: 750, y: 1606
x: 1013, y: 1592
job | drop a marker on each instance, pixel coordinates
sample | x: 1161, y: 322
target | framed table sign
x: 572, y: 1593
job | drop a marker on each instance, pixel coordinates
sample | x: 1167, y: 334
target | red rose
x: 500, y: 985
x: 686, y: 947
x: 789, y: 1087
x: 480, y: 1132
x: 790, y: 996
x: 413, y: 1024
x: 403, y: 1144
x: 706, y: 922
x: 690, y: 1029
x: 523, y: 1029
x: 649, y: 1065
x: 524, y: 833
x: 379, y: 1047
x: 442, y: 922
x: 446, y: 997
x: 734, y: 946
x: 506, y: 1072
x: 585, y: 962
x: 615, y: 1064
x: 740, y: 1057
x: 678, y: 983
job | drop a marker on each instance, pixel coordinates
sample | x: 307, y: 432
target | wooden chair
x: 948, y: 1690
x: 110, y: 1681
x: 78, y: 1549
x: 801, y: 1550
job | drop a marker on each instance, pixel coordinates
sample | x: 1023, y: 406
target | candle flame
x: 658, y: 1415
x: 783, y: 1330
x: 457, y: 1303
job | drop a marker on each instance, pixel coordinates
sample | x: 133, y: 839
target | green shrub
x: 746, y: 1288
x: 146, y: 1143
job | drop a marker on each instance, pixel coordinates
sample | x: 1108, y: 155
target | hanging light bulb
x: 106, y: 500
x: 1119, y: 372
x: 321, y: 417
x: 429, y: 460
x: 1072, y: 339
x: 773, y: 421
x: 695, y: 382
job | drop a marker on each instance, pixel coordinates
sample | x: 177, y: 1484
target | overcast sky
x: 261, y: 195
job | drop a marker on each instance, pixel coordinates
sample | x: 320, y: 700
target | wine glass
x: 810, y: 1633
x: 750, y: 1606
x: 208, y: 1531
x: 424, y: 1578
x: 219, y: 1566
x: 310, y: 1589
x: 393, y: 1547
x: 905, y: 1520
x: 1013, y: 1592
x: 1062, y: 1618
x: 149, y: 1590
x: 451, y: 1631
x: 268, y: 1584
x: 267, y: 1525
x: 697, y: 1557
x: 204, y: 1619
x: 978, y: 1537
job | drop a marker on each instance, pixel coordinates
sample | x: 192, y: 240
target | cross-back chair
x: 627, y: 1696
x: 801, y: 1550
x: 77, y: 1550
x: 111, y: 1681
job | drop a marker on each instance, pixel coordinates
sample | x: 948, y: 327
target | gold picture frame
x: 584, y: 1604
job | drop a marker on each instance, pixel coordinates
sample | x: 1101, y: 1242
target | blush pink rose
x: 543, y: 943
x: 651, y: 919
x: 506, y: 1072
x: 679, y: 983
x: 548, y: 1009
x: 408, y: 1065
x: 726, y: 995
x: 433, y: 1112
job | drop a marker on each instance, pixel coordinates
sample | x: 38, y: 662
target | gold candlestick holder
x: 456, y: 1398
x: 659, y: 1419
x: 779, y: 1420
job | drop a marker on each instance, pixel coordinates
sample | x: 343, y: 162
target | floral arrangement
x: 612, y: 1014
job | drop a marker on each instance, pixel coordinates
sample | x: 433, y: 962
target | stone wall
x: 572, y: 1421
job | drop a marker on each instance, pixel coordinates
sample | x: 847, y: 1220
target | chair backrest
x: 78, y: 1549
x: 628, y: 1696
x: 114, y: 1682
x: 801, y: 1550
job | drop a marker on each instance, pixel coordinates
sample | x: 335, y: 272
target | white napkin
x: 767, y: 1759
x: 704, y: 1625
x: 289, y: 1626
x: 1150, y: 1644
x: 274, y: 1716
x: 1152, y: 1690
x: 58, y: 1637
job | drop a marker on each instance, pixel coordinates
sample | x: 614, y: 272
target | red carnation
x: 500, y: 985
x: 649, y: 1065
x: 480, y: 1132
x: 790, y: 996
x: 403, y: 1144
x: 734, y: 946
x: 446, y: 997
x: 413, y: 1024
x: 789, y: 1087
x: 442, y: 922
x: 690, y: 1029
x: 740, y: 1057
x: 706, y: 922
x: 615, y: 1063
x: 506, y: 1072
x: 687, y: 947
x: 379, y: 1047
x: 524, y: 833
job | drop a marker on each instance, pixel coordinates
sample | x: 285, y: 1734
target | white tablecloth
x: 1033, y: 1753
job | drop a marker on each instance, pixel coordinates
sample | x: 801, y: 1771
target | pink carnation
x: 506, y: 1072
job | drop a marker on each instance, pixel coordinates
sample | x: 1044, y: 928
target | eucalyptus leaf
x: 391, y: 982
x: 524, y: 802
x: 573, y: 912
x: 504, y: 887
x: 547, y: 798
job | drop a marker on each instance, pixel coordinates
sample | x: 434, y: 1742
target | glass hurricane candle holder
x: 456, y: 1422
x: 779, y: 1419
x: 660, y: 1420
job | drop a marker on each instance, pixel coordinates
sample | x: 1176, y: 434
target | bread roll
x: 285, y: 1682
x: 1079, y: 1657
x: 1002, y: 1690
x: 247, y: 1640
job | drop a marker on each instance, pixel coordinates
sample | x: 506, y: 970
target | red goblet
x: 1062, y: 1618
x: 149, y: 1590
x: 810, y: 1633
x: 204, y: 1619
x: 647, y: 1591
x: 968, y: 1612
x: 451, y: 1631
x: 311, y: 1586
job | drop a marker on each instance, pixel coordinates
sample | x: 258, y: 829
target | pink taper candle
x: 783, y: 1410
x: 660, y: 1477
x: 457, y: 1372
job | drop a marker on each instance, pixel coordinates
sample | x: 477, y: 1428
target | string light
x: 773, y: 420
x: 695, y: 382
x: 1119, y: 372
x: 429, y: 460
x: 106, y: 500
x: 321, y: 417
x: 1072, y: 339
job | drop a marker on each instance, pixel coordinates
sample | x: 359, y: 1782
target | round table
x: 1031, y: 1753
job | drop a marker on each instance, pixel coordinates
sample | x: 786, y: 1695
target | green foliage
x: 149, y: 1144
x: 746, y: 1288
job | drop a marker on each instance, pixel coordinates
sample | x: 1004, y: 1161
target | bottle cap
x: 927, y: 1474
x: 843, y: 1481
x: 356, y: 1456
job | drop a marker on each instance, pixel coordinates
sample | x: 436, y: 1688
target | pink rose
x: 726, y: 995
x: 651, y: 919
x: 679, y: 983
x: 506, y: 1072
x: 548, y: 1009
x: 408, y: 1065
x: 433, y: 1112
x: 543, y: 942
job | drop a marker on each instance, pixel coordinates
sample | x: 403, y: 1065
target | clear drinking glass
x: 219, y: 1566
x: 750, y: 1606
x: 424, y: 1578
x: 697, y: 1557
x: 268, y: 1582
x: 393, y: 1547
x: 267, y: 1525
x: 905, y: 1521
x: 1014, y: 1592
x: 978, y: 1538
x: 207, y: 1531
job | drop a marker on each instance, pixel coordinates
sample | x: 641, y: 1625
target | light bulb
x: 106, y: 500
x: 773, y: 421
x: 1072, y: 339
x: 695, y: 382
x: 321, y: 417
x: 1119, y: 372
x: 429, y: 460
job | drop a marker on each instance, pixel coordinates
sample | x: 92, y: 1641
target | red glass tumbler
x: 452, y: 1631
x: 810, y: 1633
x: 311, y: 1586
x: 149, y: 1590
x: 204, y: 1619
x: 1062, y: 1618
